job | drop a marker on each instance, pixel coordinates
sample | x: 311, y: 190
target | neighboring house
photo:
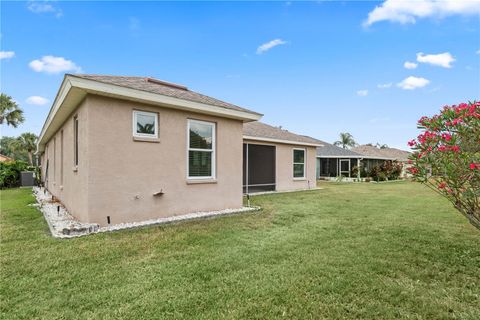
x: 5, y: 158
x: 387, y: 153
x: 333, y: 161
x: 276, y: 159
x: 391, y: 153
x: 122, y: 149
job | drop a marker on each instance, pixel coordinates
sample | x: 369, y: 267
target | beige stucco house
x: 124, y: 149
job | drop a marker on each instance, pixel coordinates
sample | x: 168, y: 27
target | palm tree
x: 10, y: 112
x: 346, y: 140
x: 27, y: 141
x: 382, y: 146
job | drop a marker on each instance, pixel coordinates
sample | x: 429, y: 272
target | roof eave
x: 111, y: 90
x: 282, y: 141
x: 341, y: 156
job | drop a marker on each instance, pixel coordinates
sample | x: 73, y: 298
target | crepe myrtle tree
x: 446, y: 157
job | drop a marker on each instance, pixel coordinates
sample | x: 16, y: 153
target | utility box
x: 26, y: 179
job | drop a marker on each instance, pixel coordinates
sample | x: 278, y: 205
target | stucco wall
x: 124, y: 174
x: 72, y: 189
x: 284, y: 166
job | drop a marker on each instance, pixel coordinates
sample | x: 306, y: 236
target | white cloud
x: 362, y: 93
x: 51, y: 65
x: 404, y: 12
x: 442, y: 59
x: 384, y: 85
x: 6, y: 54
x: 478, y: 51
x: 411, y: 83
x: 37, y: 100
x: 410, y: 65
x: 44, y: 7
x: 269, y: 45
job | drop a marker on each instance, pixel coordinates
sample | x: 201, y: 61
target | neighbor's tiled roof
x: 153, y: 85
x: 387, y: 153
x: 330, y: 150
x: 261, y: 130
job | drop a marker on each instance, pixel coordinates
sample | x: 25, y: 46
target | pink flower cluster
x: 444, y: 148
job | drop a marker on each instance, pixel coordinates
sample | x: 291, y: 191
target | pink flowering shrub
x: 447, y: 156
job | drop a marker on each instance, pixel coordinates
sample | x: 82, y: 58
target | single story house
x: 275, y: 159
x: 333, y: 161
x: 123, y: 149
x: 387, y: 153
x: 390, y: 153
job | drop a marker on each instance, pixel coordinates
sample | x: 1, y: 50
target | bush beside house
x: 10, y: 173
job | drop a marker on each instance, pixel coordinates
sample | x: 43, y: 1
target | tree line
x: 18, y: 148
x: 347, y: 141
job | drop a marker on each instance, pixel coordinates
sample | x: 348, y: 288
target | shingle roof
x: 387, y: 153
x: 261, y: 130
x: 330, y: 150
x: 161, y: 87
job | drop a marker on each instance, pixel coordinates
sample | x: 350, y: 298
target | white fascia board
x: 342, y: 157
x: 297, y: 143
x: 359, y: 157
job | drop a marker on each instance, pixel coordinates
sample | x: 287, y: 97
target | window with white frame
x: 298, y: 163
x: 201, y: 149
x: 145, y: 124
x: 75, y: 141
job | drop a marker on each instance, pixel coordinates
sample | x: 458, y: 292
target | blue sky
x: 318, y: 73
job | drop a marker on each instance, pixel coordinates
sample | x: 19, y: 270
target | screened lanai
x: 333, y: 161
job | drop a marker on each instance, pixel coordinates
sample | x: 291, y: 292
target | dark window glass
x: 75, y: 142
x: 199, y: 164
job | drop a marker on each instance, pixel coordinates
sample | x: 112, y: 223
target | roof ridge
x: 101, y: 75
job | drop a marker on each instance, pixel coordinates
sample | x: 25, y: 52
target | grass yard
x: 393, y: 250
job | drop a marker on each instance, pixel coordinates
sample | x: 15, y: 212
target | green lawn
x: 393, y: 250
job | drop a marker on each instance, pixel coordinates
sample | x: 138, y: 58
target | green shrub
x: 389, y: 170
x: 10, y: 173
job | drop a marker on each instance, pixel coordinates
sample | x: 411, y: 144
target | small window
x: 299, y: 163
x: 201, y: 150
x: 54, y: 158
x: 145, y: 124
x: 75, y: 141
x: 61, y: 157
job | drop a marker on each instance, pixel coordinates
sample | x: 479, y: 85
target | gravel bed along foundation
x: 63, y: 225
